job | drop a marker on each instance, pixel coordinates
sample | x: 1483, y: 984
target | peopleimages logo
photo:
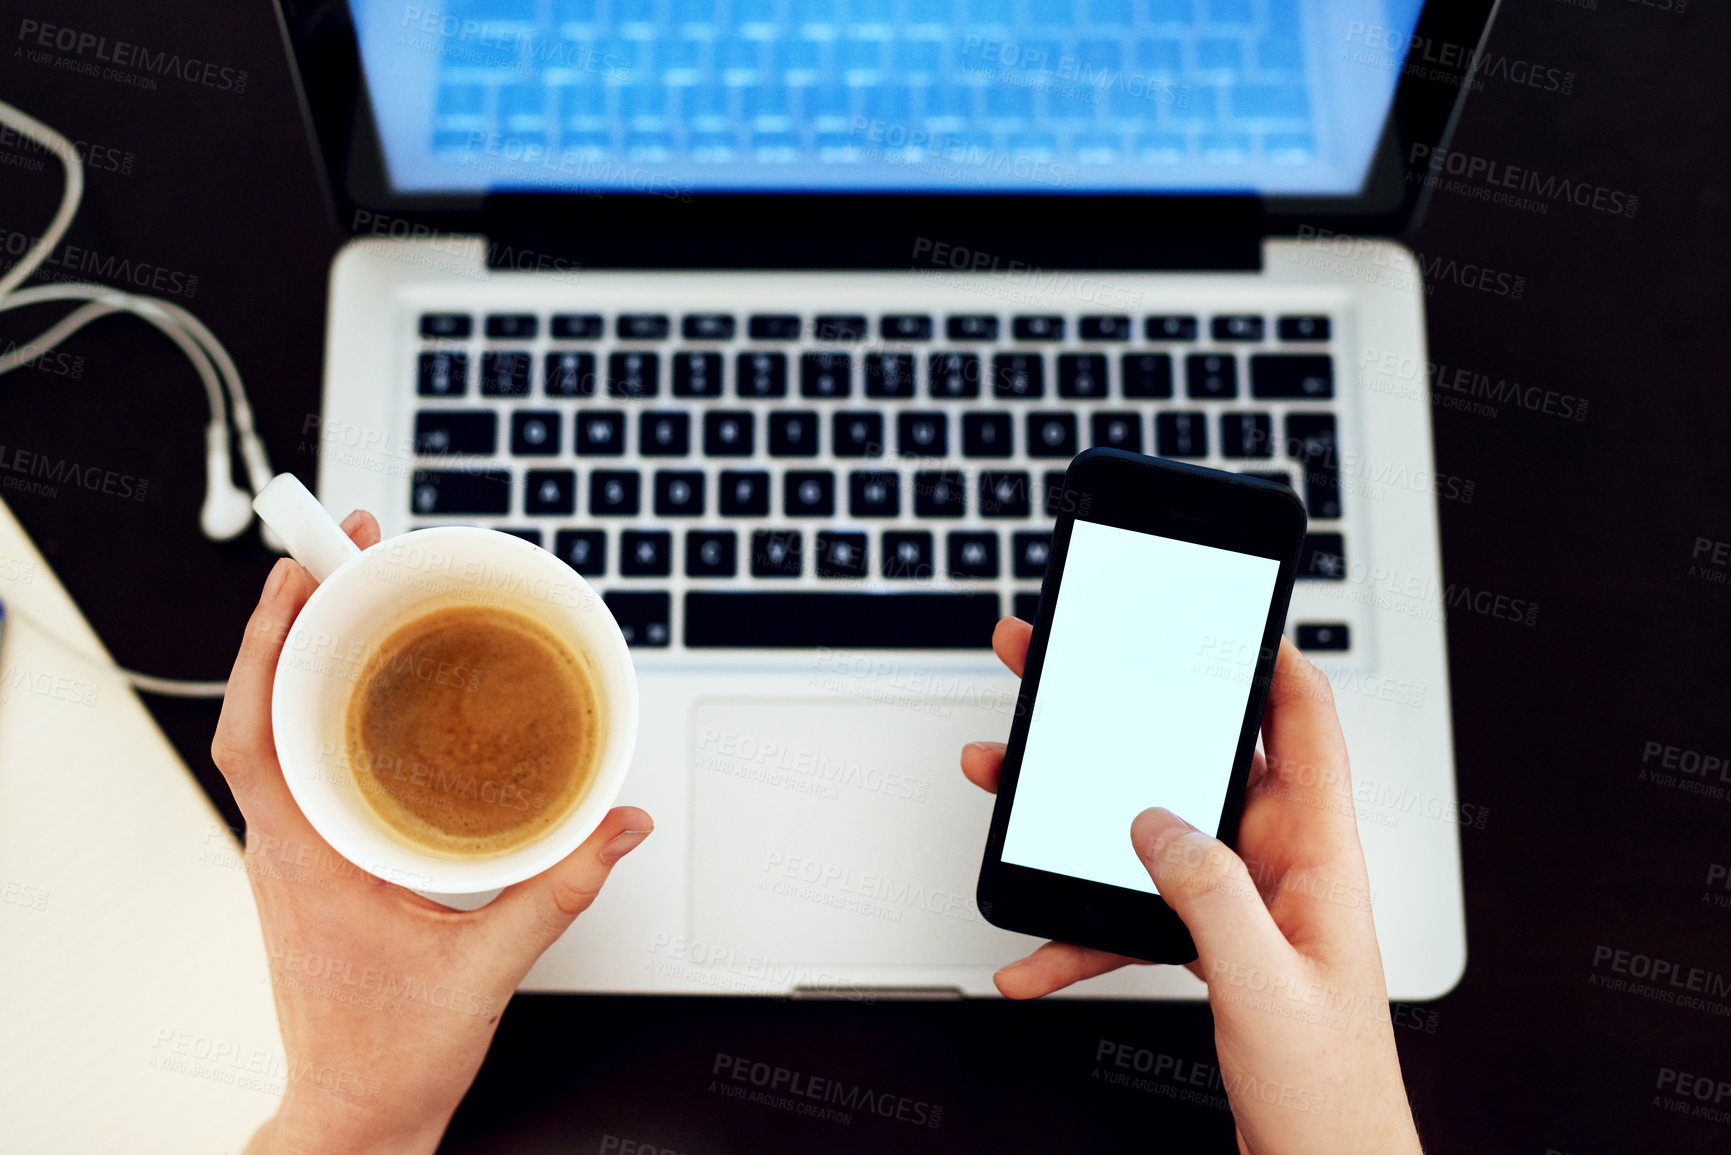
x: 125, y: 55
x: 1516, y: 179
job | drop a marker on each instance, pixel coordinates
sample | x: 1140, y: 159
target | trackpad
x: 841, y: 833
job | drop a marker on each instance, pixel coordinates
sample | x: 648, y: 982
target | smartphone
x: 1165, y: 593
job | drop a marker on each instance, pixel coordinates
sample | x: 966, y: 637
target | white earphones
x: 227, y: 509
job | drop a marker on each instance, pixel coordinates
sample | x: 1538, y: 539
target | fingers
x: 1010, y: 643
x: 1307, y: 767
x: 362, y: 528
x: 1208, y: 887
x: 983, y: 764
x: 1054, y: 967
x: 242, y: 748
x: 541, y: 908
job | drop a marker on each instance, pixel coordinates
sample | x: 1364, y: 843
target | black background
x: 1595, y: 521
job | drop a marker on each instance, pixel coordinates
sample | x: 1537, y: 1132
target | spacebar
x: 856, y: 621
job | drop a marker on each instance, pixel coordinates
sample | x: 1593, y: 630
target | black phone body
x: 1165, y: 594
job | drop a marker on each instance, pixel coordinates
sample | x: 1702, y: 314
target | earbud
x: 227, y: 510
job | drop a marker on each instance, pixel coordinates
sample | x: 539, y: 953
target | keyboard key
x: 641, y: 327
x: 613, y: 493
x: 1004, y: 494
x: 801, y: 620
x: 550, y: 492
x: 512, y: 326
x: 1051, y: 435
x: 727, y: 433
x: 808, y: 493
x: 664, y: 434
x: 439, y: 433
x: 450, y: 326
x: 1240, y: 327
x: 907, y: 556
x: 1170, y: 328
x: 697, y: 374
x: 532, y: 536
x: 954, y: 375
x: 1081, y: 375
x: 774, y: 327
x: 775, y: 553
x: 601, y: 434
x: 1147, y: 375
x: 1018, y: 375
x: 1305, y: 329
x: 633, y: 374
x: 1323, y: 557
x: 679, y: 493
x: 1246, y: 435
x: 971, y: 327
x: 744, y: 493
x: 570, y: 375
x: 825, y: 375
x: 1181, y: 435
x: 873, y: 493
x: 1030, y: 550
x: 986, y: 434
x: 711, y: 553
x: 1332, y: 636
x: 841, y: 555
x: 535, y: 434
x: 443, y: 375
x: 1114, y: 328
x: 1285, y: 375
x: 1027, y: 607
x: 1211, y: 376
x: 762, y: 375
x: 584, y: 550
x: 1044, y: 327
x: 905, y: 327
x: 841, y: 327
x: 1310, y: 437
x: 1052, y: 491
x: 857, y: 434
x: 793, y: 434
x: 1278, y: 476
x: 939, y: 494
x: 577, y: 326
x: 707, y: 327
x: 461, y: 491
x: 922, y: 434
x: 505, y: 374
x: 1118, y: 431
x: 645, y: 553
x: 644, y: 618
x: 973, y: 555
x: 889, y: 375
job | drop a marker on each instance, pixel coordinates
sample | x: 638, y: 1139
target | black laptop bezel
x: 881, y: 230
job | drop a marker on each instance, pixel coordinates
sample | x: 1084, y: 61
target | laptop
x: 778, y: 320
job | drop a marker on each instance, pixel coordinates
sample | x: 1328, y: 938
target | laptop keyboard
x: 845, y: 480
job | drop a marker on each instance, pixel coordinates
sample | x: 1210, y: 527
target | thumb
x: 542, y: 908
x: 1207, y: 886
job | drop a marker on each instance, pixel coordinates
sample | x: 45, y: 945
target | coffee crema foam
x: 498, y: 719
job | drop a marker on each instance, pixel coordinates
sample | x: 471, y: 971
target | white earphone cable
x: 227, y: 509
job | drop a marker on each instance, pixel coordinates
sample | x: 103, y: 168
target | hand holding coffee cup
x: 454, y: 708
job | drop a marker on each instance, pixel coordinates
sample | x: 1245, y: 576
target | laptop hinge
x: 530, y: 231
x: 865, y: 992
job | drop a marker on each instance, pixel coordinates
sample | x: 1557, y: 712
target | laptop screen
x: 677, y: 97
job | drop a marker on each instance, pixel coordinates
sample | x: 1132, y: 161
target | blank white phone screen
x: 1141, y: 698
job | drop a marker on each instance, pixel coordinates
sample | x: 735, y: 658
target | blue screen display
x: 676, y: 97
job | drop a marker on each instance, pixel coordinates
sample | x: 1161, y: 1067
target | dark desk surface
x: 1594, y: 520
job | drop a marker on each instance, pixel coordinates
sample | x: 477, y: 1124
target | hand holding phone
x: 1287, y: 944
